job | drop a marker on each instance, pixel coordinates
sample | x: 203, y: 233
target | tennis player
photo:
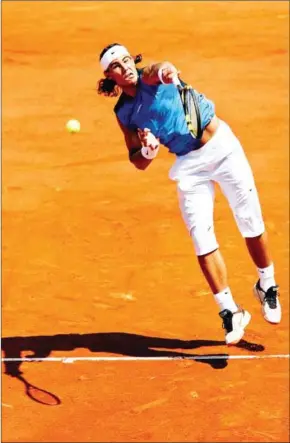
x: 150, y: 112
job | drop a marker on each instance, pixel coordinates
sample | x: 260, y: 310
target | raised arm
x: 157, y: 73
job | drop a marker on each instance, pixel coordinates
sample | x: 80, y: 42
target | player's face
x: 123, y: 71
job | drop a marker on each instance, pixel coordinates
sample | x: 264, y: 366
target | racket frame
x: 185, y: 89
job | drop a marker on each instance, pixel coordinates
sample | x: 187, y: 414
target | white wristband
x: 148, y: 153
x: 159, y: 73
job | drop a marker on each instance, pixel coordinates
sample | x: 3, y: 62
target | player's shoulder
x: 120, y: 103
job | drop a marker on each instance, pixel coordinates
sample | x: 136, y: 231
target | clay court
x: 100, y: 282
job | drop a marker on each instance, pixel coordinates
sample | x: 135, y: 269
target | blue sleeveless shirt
x: 159, y: 108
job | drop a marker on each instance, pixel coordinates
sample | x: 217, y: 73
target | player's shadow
x: 121, y: 343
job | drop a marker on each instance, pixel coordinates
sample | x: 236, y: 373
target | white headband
x: 111, y: 54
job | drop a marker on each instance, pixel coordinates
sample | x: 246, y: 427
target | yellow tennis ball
x: 73, y: 126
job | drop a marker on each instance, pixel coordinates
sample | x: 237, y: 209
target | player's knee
x: 204, y: 238
x: 251, y: 225
x: 249, y: 220
x: 248, y: 214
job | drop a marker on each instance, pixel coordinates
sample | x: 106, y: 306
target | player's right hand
x: 169, y: 73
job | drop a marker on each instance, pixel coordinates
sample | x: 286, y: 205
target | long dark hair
x: 109, y: 87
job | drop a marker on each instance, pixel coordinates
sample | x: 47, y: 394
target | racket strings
x: 195, y: 120
x: 191, y: 109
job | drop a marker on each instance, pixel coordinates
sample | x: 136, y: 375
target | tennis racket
x: 190, y: 108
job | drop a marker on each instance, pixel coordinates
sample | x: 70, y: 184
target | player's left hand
x: 148, y: 139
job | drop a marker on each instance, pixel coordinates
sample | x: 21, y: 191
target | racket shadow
x: 35, y: 393
x: 39, y: 395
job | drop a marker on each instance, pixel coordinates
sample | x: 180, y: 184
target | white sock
x: 225, y: 300
x: 267, y: 278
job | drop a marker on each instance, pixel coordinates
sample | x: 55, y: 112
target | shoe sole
x: 256, y: 294
x: 246, y: 321
x: 235, y: 342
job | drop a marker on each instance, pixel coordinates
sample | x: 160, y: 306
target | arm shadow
x: 120, y: 343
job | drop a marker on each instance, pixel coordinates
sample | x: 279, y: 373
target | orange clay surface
x: 96, y: 260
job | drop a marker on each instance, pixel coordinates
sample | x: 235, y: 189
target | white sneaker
x: 234, y: 324
x: 271, y: 308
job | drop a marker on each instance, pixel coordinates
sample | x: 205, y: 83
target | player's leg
x: 237, y: 183
x: 196, y: 201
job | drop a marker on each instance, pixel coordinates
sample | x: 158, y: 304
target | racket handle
x: 176, y: 81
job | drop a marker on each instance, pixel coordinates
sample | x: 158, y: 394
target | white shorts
x: 221, y: 160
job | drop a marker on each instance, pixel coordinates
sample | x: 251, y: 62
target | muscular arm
x: 133, y: 144
x: 150, y: 73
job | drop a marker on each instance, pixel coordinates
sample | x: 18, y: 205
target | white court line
x: 131, y: 358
